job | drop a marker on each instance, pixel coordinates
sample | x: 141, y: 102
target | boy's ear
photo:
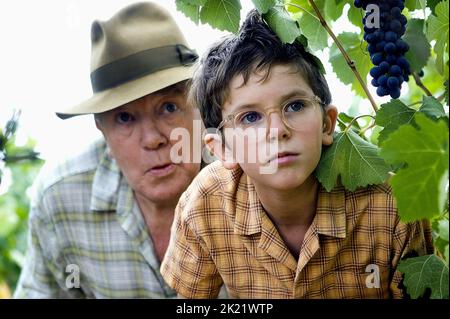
x: 329, y: 124
x: 214, y: 144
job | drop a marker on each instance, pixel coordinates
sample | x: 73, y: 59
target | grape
x: 395, y: 70
x: 390, y: 36
x: 382, y: 91
x: 385, y: 46
x: 374, y: 82
x: 382, y: 80
x: 384, y: 67
x: 390, y: 48
x: 392, y: 82
x: 391, y: 59
x: 377, y: 58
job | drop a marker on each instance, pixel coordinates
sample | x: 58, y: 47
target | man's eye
x: 170, y: 107
x: 295, y: 106
x: 250, y: 117
x: 124, y: 117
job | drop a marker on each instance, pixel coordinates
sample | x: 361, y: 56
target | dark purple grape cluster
x: 385, y: 46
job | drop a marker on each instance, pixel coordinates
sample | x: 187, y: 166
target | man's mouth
x: 161, y: 170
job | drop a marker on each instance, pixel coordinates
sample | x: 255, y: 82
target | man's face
x: 299, y: 149
x: 138, y: 135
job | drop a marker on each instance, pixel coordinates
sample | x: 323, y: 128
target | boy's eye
x: 249, y: 117
x: 295, y: 106
x: 170, y: 107
x: 124, y: 117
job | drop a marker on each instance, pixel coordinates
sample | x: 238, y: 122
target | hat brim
x: 119, y: 95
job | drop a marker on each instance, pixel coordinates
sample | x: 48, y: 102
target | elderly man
x: 100, y: 222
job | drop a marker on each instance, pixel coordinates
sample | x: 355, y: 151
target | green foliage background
x: 22, y: 164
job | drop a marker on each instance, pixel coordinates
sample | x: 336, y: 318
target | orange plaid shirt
x: 222, y: 235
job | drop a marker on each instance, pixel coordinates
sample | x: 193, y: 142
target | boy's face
x: 299, y: 135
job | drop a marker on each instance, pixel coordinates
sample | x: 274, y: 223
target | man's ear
x: 329, y: 124
x: 97, y: 123
x: 214, y: 144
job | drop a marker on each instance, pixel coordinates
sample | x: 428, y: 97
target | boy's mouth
x: 284, y: 157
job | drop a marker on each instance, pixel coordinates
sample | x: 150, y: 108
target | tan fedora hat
x: 140, y: 50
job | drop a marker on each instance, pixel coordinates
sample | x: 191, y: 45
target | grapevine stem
x: 356, y: 118
x: 350, y: 63
x: 364, y: 130
x: 32, y: 156
x: 420, y: 84
x: 441, y: 97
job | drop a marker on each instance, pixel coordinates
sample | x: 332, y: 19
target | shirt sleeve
x: 187, y: 266
x: 410, y: 240
x: 42, y: 276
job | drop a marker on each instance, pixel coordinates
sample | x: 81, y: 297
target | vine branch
x: 31, y: 156
x: 350, y: 63
x: 420, y: 84
x: 355, y: 119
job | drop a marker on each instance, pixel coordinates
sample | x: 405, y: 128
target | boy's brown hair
x: 255, y: 48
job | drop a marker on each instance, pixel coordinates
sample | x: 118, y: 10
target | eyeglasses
x: 293, y: 115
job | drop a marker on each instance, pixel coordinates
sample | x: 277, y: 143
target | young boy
x: 279, y: 235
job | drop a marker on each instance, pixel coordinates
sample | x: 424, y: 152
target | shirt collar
x: 105, y: 186
x: 330, y: 216
x: 248, y: 218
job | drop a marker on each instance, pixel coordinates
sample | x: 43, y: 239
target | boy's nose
x: 276, y: 126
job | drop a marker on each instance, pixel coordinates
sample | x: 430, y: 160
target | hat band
x: 140, y: 64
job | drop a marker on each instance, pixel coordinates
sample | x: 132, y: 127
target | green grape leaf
x: 391, y: 116
x: 282, y: 24
x: 354, y: 160
x: 222, y: 14
x: 432, y: 107
x: 333, y: 9
x: 419, y: 188
x: 425, y: 272
x: 347, y: 119
x: 415, y: 4
x: 432, y: 5
x: 314, y: 31
x: 294, y: 6
x: 443, y: 229
x: 395, y: 113
x: 191, y: 11
x: 438, y: 29
x: 263, y: 5
x: 420, y: 48
x: 355, y: 16
x: 358, y: 54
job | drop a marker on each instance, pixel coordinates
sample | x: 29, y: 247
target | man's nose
x: 152, y: 137
x: 276, y: 126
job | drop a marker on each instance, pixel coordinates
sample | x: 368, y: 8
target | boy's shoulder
x: 215, y: 180
x: 214, y: 188
x: 372, y: 200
